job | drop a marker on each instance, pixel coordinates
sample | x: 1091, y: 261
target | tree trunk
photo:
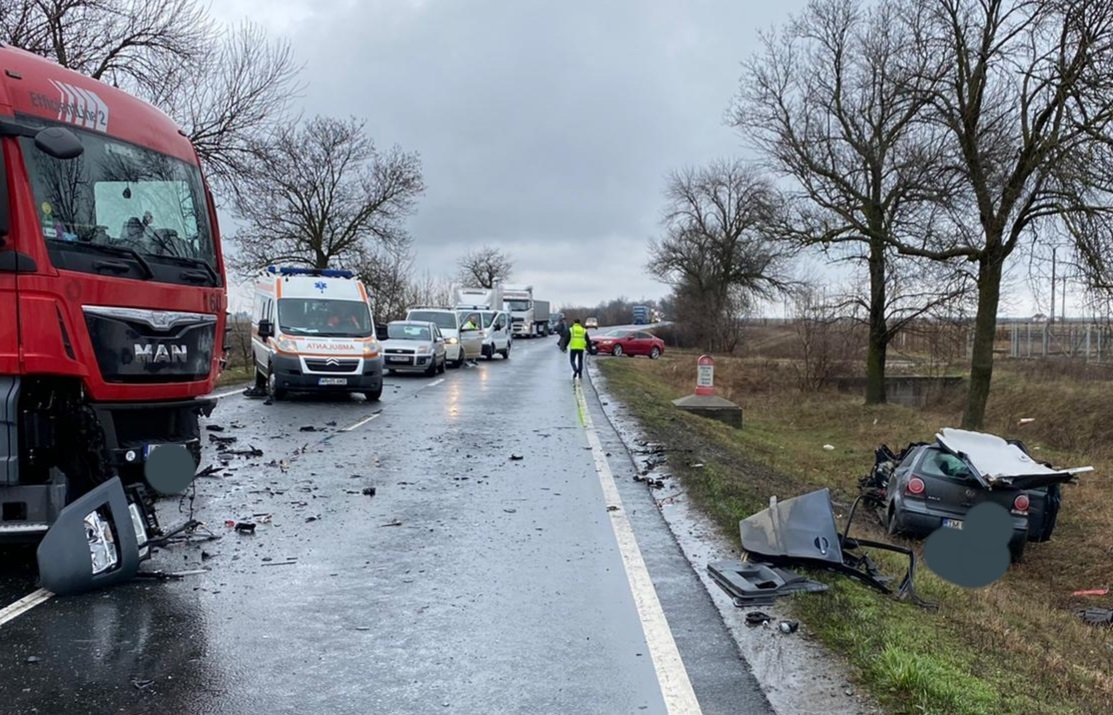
x: 985, y: 333
x: 879, y: 331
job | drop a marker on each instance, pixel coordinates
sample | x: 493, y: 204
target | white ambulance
x: 312, y: 331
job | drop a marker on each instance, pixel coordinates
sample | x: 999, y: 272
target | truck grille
x: 139, y: 345
x: 331, y: 364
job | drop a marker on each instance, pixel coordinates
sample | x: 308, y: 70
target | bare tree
x: 323, y: 195
x: 112, y: 40
x: 485, y: 266
x: 715, y: 252
x: 225, y: 86
x: 386, y: 269
x: 1027, y: 106
x: 228, y: 95
x: 836, y: 104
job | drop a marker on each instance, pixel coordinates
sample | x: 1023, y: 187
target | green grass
x: 1003, y: 649
x: 234, y: 376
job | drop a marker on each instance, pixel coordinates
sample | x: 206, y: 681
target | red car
x: 629, y: 342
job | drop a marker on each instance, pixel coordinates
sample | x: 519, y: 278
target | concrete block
x: 712, y: 407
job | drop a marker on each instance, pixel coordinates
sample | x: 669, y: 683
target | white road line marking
x: 433, y: 384
x: 361, y: 423
x: 237, y: 391
x: 676, y: 688
x: 24, y: 604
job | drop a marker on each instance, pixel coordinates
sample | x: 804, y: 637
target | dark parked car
x: 932, y: 486
x: 629, y: 342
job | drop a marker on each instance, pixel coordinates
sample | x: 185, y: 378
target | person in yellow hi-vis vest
x: 577, y: 344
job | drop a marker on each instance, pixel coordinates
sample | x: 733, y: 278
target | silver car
x: 414, y: 346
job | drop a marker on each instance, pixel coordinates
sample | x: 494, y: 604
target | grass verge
x: 1013, y: 647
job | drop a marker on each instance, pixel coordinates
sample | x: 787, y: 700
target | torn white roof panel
x: 995, y: 458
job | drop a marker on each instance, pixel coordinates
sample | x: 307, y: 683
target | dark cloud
x: 546, y: 128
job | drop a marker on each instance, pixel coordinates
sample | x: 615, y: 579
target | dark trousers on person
x: 576, y: 357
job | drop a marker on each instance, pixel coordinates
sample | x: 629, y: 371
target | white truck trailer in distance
x: 521, y: 306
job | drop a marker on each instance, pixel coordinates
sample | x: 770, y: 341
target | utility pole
x: 1051, y: 317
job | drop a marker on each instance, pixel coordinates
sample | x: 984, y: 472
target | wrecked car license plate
x: 953, y: 523
x: 333, y: 381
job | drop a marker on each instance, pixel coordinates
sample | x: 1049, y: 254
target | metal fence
x: 1080, y: 340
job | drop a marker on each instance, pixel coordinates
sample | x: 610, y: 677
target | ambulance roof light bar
x: 318, y: 272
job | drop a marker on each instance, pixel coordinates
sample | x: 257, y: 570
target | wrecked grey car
x: 928, y: 486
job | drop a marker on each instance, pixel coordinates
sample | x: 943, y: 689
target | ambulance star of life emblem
x: 320, y: 285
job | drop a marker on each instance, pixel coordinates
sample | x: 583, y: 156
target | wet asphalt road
x: 470, y: 582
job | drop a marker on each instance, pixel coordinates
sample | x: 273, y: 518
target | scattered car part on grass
x: 933, y: 485
x: 754, y: 584
x: 1097, y: 616
x: 801, y: 531
x: 1092, y: 592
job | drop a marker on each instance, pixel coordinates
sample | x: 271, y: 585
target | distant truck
x: 480, y: 298
x: 529, y: 318
x: 642, y: 315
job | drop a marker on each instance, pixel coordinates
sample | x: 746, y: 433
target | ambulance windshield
x: 324, y: 318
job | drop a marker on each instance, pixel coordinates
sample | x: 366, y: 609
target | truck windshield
x: 324, y: 318
x: 119, y: 195
x: 518, y: 305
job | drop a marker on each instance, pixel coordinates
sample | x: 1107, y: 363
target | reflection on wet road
x: 469, y: 582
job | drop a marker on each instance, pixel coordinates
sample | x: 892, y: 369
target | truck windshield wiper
x: 124, y: 251
x: 194, y: 262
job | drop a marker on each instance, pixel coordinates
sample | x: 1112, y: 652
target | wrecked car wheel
x: 892, y: 522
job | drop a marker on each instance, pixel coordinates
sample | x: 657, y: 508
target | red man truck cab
x: 112, y: 299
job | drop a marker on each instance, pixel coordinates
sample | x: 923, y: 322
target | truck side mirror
x: 59, y: 143
x: 266, y: 329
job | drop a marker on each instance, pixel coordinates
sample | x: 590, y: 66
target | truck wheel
x: 275, y: 392
x: 616, y: 351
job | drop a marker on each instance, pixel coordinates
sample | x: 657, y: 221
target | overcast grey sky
x: 545, y: 128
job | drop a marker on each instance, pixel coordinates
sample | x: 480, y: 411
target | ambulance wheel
x: 274, y: 392
x: 374, y: 395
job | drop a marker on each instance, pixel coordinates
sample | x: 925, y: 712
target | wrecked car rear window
x: 937, y: 463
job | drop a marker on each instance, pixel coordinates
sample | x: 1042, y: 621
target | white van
x: 460, y: 343
x: 496, y: 332
x: 312, y: 330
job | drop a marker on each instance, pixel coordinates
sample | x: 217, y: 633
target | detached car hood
x: 996, y: 462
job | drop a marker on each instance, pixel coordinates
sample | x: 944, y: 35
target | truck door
x: 10, y: 263
x: 471, y: 335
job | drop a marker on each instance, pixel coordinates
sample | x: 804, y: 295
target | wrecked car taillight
x: 915, y: 486
x: 1021, y: 503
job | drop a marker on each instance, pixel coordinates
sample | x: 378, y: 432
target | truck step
x: 24, y: 527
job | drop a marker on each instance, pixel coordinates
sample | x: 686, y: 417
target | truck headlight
x: 103, y: 554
